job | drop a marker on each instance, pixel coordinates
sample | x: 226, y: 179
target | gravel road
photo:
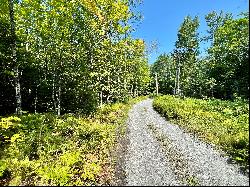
x: 160, y: 153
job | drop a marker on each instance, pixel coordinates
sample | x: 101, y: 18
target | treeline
x: 222, y: 73
x: 69, y: 55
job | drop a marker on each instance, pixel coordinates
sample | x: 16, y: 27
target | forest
x: 70, y: 70
x: 72, y: 57
x: 69, y: 56
x: 222, y: 73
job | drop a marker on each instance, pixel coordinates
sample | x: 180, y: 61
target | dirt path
x: 159, y: 153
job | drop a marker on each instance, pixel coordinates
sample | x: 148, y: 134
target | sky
x: 162, y: 19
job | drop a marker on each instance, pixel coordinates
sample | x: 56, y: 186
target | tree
x: 214, y: 20
x: 229, y: 58
x: 14, y: 59
x: 186, y: 52
x: 7, y: 91
x: 165, y: 69
x: 76, y: 54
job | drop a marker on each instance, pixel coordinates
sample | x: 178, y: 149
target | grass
x: 44, y: 149
x: 223, y: 123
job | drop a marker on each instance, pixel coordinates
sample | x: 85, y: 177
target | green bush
x: 224, y: 123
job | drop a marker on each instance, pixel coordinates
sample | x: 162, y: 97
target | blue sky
x: 162, y: 19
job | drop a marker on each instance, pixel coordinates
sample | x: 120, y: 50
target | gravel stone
x: 146, y: 162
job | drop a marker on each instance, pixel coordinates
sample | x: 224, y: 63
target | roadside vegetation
x: 68, y: 71
x: 44, y: 149
x: 223, y: 123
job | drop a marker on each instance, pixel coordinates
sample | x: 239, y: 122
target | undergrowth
x: 44, y: 149
x: 223, y: 123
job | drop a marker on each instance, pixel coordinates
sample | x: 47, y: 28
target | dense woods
x: 70, y: 56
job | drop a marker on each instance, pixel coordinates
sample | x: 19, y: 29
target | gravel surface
x: 160, y: 153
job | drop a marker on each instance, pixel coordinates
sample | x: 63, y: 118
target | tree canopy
x: 72, y: 55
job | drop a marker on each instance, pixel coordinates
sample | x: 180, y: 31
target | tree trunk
x: 109, y: 96
x: 53, y: 91
x: 135, y: 91
x: 36, y: 100
x: 177, y: 79
x: 131, y: 90
x: 175, y: 82
x: 59, y: 100
x: 212, y: 92
x: 14, y: 60
x: 101, y: 98
x: 156, y: 83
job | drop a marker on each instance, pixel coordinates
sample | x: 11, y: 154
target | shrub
x: 44, y: 149
x: 224, y: 123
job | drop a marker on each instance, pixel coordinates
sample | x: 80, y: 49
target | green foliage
x: 186, y: 52
x: 221, y: 73
x: 165, y: 69
x: 224, y: 123
x: 214, y: 21
x: 74, y: 55
x: 229, y: 64
x: 187, y: 41
x: 184, y: 57
x: 44, y: 149
x: 9, y: 127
